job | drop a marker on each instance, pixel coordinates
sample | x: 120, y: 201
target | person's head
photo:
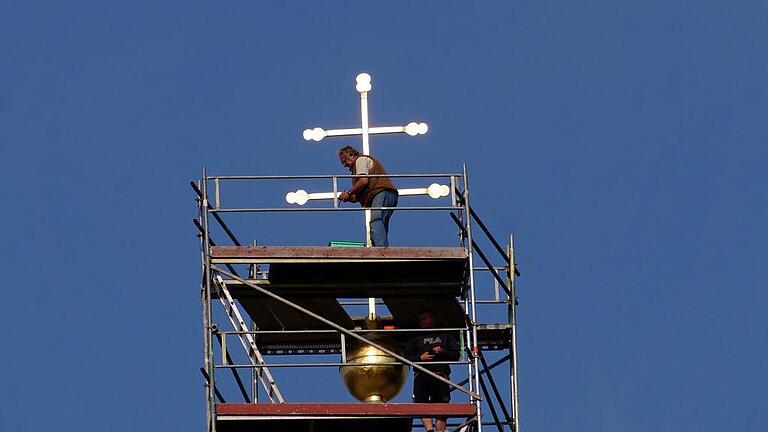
x: 348, y: 155
x: 426, y: 318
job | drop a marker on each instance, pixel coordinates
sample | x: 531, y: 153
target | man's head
x: 426, y: 318
x: 348, y: 155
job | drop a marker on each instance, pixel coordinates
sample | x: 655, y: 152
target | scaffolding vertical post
x: 335, y: 192
x: 468, y: 342
x: 453, y: 191
x: 207, y: 318
x: 512, y: 308
x: 254, y: 376
x: 203, y: 369
x: 217, y: 199
x: 473, y: 316
x: 462, y: 233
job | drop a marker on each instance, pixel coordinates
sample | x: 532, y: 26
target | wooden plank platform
x: 331, y: 417
x: 350, y: 272
x: 267, y: 254
x: 345, y: 409
x: 323, y: 424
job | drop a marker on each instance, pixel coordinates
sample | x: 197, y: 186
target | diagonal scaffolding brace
x: 246, y: 339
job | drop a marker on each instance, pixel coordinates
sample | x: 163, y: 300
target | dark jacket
x: 425, y: 341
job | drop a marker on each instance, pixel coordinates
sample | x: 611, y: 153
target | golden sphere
x: 373, y: 383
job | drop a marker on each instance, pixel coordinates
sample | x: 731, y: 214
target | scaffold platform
x: 407, y: 279
x: 352, y: 272
x: 332, y: 417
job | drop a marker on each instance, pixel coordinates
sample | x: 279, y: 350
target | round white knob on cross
x: 436, y: 191
x: 363, y: 82
x: 299, y: 197
x: 414, y: 128
x: 315, y: 134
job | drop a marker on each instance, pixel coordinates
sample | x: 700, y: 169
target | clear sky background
x: 622, y: 142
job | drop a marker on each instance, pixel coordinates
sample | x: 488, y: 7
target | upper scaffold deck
x: 265, y: 254
x: 353, y: 272
x: 407, y: 279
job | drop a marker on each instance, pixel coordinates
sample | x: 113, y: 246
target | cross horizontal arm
x: 412, y: 129
x: 301, y: 196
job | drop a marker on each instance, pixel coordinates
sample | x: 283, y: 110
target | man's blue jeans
x: 380, y: 218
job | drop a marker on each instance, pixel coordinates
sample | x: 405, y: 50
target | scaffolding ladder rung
x: 249, y: 344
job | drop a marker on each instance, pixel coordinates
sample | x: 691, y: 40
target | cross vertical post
x: 363, y: 86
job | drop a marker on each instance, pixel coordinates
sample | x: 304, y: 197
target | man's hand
x: 427, y: 356
x: 347, y: 197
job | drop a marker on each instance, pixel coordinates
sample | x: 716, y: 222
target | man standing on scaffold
x: 370, y: 191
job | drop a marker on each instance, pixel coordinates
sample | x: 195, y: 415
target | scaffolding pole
x: 512, y: 307
x: 473, y: 312
x: 207, y: 318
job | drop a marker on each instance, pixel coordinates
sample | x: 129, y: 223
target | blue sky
x: 623, y: 143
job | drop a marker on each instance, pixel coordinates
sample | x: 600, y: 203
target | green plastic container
x: 336, y: 243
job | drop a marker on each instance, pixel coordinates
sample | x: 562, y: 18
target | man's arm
x: 351, y: 193
x: 415, y: 351
x: 358, y: 185
x: 449, y: 350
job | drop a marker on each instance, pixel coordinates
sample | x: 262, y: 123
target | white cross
x: 363, y: 86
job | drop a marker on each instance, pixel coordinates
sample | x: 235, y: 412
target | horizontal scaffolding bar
x: 314, y: 209
x: 329, y: 176
x: 289, y: 410
x: 441, y: 329
x: 286, y: 365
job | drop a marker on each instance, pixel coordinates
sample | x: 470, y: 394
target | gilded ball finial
x: 372, y: 382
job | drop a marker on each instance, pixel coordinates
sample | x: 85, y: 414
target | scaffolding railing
x: 452, y: 178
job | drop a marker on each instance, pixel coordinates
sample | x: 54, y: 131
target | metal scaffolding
x: 287, y: 301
